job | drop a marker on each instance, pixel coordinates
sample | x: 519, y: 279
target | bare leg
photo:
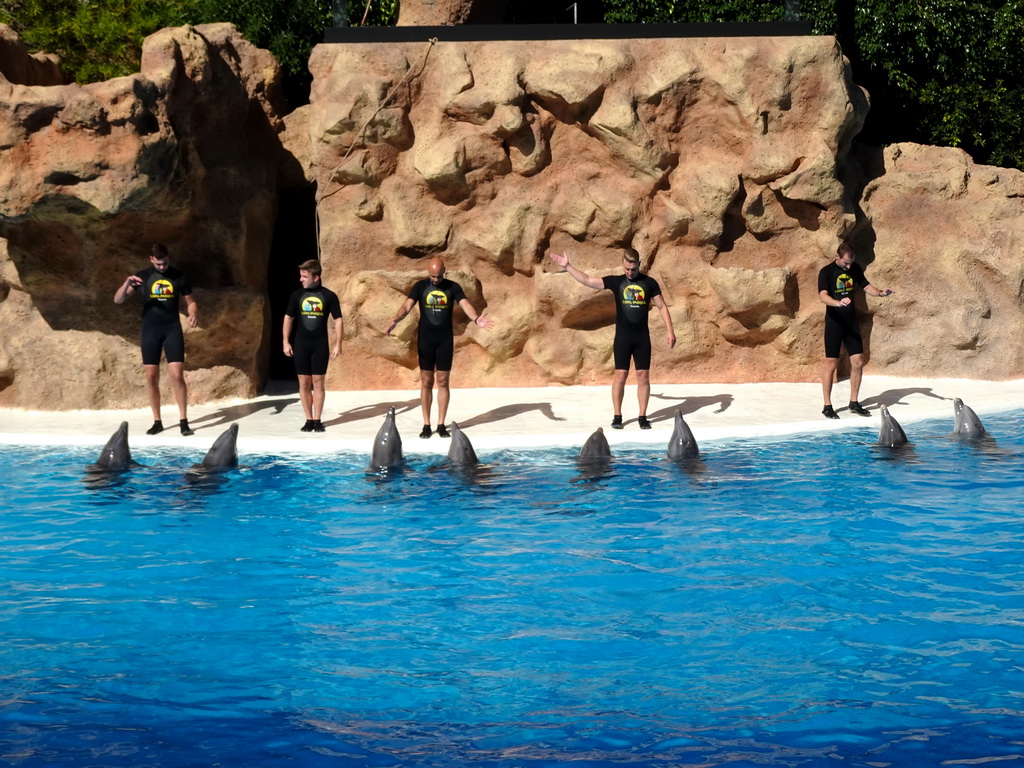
x: 426, y: 393
x: 856, y: 372
x: 618, y: 390
x: 643, y: 390
x: 306, y: 395
x: 443, y: 396
x: 177, y: 373
x: 318, y: 396
x: 828, y: 375
x: 153, y: 389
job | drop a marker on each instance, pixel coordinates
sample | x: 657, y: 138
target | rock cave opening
x: 294, y: 242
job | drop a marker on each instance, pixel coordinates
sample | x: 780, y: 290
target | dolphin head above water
x: 891, y: 434
x: 682, y: 444
x: 596, y: 448
x: 387, y: 445
x: 461, y: 450
x: 223, y: 452
x: 967, y: 422
x: 115, y: 454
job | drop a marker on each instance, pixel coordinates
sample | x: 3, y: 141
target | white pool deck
x: 517, y: 418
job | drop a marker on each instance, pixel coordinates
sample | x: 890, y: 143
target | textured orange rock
x: 728, y: 163
x: 717, y: 159
x: 950, y: 235
x: 90, y: 176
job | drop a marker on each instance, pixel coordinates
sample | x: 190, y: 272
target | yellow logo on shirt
x: 437, y: 300
x: 312, y: 306
x: 161, y: 289
x: 634, y: 295
x: 844, y: 283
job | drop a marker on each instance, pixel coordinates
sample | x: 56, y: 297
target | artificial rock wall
x: 728, y: 163
x: 184, y: 153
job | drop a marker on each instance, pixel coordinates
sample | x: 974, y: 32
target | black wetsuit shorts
x: 162, y: 336
x: 632, y: 343
x: 436, y: 349
x: 311, y: 356
x: 842, y: 330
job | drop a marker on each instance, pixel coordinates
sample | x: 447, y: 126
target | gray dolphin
x: 116, y: 455
x: 387, y: 446
x: 891, y: 435
x: 682, y: 444
x: 596, y: 449
x: 967, y: 422
x: 461, y: 450
x: 223, y: 453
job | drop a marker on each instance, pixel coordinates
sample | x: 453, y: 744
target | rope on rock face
x: 360, y: 135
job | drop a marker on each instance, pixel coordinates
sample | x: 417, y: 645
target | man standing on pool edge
x: 836, y: 283
x: 634, y: 294
x: 162, y: 288
x: 437, y: 297
x: 312, y: 304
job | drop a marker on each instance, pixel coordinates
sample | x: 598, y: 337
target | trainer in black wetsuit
x: 162, y: 287
x: 635, y: 294
x: 836, y: 284
x: 312, y: 304
x: 437, y: 297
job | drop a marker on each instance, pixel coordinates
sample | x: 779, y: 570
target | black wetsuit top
x: 633, y: 299
x: 436, y: 342
x: 161, y: 294
x: 841, y: 327
x: 312, y: 306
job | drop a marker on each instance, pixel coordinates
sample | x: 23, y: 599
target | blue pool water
x: 806, y: 602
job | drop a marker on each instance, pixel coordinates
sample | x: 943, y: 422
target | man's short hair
x: 631, y: 255
x: 159, y: 251
x: 312, y: 266
x: 845, y: 246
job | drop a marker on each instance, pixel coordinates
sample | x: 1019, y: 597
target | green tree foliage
x: 95, y: 40
x: 945, y: 72
x: 100, y: 39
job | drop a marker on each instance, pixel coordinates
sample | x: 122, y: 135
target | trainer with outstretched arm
x: 635, y: 293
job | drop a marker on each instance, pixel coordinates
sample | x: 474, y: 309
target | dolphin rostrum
x: 223, y: 453
x: 891, y: 435
x: 461, y: 450
x: 682, y: 444
x: 596, y: 449
x: 387, y: 446
x: 967, y: 422
x: 115, y: 455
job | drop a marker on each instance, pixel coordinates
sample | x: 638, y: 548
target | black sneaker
x: 859, y: 409
x: 308, y: 426
x: 186, y: 430
x: 829, y: 413
x: 156, y: 429
x: 617, y: 421
x: 426, y: 432
x: 644, y: 423
x: 318, y: 426
x: 442, y: 431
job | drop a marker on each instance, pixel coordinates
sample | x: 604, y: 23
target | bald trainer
x: 437, y: 297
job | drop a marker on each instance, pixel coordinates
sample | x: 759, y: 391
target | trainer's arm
x: 872, y: 291
x: 479, y: 319
x: 193, y: 311
x: 126, y: 289
x: 286, y: 332
x: 670, y: 334
x: 339, y: 333
x: 562, y: 260
x: 828, y: 301
x: 405, y: 310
